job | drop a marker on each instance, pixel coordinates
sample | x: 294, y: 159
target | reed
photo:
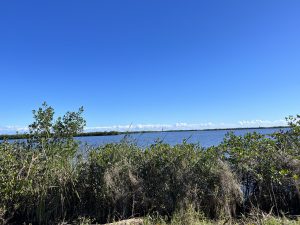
x: 45, y: 181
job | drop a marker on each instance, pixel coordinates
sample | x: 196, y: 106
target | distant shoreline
x: 112, y: 133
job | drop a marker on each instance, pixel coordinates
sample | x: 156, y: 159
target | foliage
x: 37, y: 177
x: 46, y: 181
x: 267, y: 170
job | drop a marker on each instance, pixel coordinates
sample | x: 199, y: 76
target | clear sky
x: 154, y: 62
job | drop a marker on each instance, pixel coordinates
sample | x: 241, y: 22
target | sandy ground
x: 128, y: 222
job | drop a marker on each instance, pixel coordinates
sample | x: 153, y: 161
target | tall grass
x: 45, y: 181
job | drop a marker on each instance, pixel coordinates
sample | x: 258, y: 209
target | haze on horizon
x: 151, y: 65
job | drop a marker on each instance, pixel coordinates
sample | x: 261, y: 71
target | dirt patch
x: 136, y: 221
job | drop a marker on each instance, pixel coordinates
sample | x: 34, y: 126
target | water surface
x: 204, y: 138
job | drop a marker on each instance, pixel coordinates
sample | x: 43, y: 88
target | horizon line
x: 114, y: 132
x: 8, y: 130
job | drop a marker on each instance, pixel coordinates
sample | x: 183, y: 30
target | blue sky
x: 151, y: 64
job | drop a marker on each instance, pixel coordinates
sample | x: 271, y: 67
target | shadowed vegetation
x: 44, y: 180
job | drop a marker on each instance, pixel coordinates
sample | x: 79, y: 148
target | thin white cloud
x: 188, y: 126
x: 262, y: 123
x: 10, y: 129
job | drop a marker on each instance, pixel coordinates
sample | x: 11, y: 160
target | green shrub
x: 266, y: 172
x: 46, y: 181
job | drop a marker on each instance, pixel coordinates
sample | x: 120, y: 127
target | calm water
x: 204, y: 138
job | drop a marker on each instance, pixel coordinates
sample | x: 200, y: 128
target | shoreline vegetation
x: 250, y: 179
x: 112, y: 133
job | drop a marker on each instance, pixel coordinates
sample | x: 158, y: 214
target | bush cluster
x: 46, y: 181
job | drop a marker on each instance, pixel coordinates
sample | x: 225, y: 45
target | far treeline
x: 27, y: 136
x: 83, y: 134
x: 250, y: 179
x: 111, y: 133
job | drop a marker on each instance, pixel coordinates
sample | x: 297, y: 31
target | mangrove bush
x: 45, y: 179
